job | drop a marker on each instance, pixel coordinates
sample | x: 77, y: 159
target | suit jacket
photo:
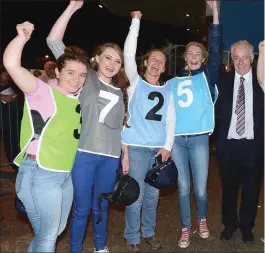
x: 223, y: 111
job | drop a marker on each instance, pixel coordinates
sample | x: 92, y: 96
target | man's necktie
x: 240, y: 108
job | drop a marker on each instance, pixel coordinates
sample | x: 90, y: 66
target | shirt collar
x: 246, y: 76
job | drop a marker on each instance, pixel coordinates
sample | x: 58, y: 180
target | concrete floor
x: 16, y: 232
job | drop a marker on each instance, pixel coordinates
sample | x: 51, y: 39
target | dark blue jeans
x: 92, y: 175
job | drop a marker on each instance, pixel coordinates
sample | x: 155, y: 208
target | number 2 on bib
x: 152, y: 114
x: 182, y: 90
x: 113, y: 101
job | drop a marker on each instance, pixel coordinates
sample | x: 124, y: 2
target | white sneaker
x: 105, y: 250
x: 203, y: 228
x: 185, y: 238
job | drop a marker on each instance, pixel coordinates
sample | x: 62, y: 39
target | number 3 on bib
x: 113, y: 101
x: 76, y: 133
x: 188, y: 92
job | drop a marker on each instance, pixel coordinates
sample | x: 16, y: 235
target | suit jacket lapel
x: 230, y: 91
x: 255, y: 87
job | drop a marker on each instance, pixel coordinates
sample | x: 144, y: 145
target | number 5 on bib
x: 182, y: 90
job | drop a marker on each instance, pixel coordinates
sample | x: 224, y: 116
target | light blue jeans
x: 47, y: 197
x: 141, y: 161
x: 193, y: 149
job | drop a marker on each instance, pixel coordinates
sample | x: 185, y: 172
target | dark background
x: 88, y: 27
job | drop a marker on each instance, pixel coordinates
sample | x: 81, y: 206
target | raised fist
x: 25, y: 30
x: 136, y: 14
x: 76, y: 4
x: 213, y: 5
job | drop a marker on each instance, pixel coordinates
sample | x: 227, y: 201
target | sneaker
x: 153, y: 243
x: 185, y: 238
x: 203, y: 229
x: 133, y: 248
x: 105, y: 250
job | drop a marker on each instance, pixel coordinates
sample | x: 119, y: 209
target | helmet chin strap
x: 187, y: 68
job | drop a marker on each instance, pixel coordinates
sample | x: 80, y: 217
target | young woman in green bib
x: 48, y: 142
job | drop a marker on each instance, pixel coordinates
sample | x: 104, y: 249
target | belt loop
x: 30, y: 156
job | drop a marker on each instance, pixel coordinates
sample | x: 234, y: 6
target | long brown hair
x: 120, y: 80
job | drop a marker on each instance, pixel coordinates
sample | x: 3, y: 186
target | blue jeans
x: 47, y: 197
x: 92, y: 175
x: 193, y: 149
x: 141, y: 161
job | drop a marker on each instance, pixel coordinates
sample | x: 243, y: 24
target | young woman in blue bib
x: 194, y: 96
x: 150, y: 134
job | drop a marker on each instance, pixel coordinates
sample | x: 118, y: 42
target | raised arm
x: 57, y: 32
x: 12, y: 59
x: 260, y: 66
x: 213, y: 5
x: 130, y: 47
x: 215, y: 42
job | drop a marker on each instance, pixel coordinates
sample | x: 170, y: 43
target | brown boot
x: 133, y: 247
x: 153, y: 243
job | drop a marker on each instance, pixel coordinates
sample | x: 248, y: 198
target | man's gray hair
x: 243, y: 43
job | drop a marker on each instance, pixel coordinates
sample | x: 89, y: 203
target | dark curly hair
x: 70, y: 54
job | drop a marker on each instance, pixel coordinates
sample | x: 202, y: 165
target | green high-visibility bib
x: 59, y: 138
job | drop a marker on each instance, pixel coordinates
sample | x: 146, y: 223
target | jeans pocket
x: 19, y: 180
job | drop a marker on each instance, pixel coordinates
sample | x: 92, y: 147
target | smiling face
x: 242, y: 58
x: 194, y: 57
x: 155, y: 63
x: 109, y: 64
x: 72, y: 76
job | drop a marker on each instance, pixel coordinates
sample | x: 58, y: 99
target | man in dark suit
x: 240, y: 141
